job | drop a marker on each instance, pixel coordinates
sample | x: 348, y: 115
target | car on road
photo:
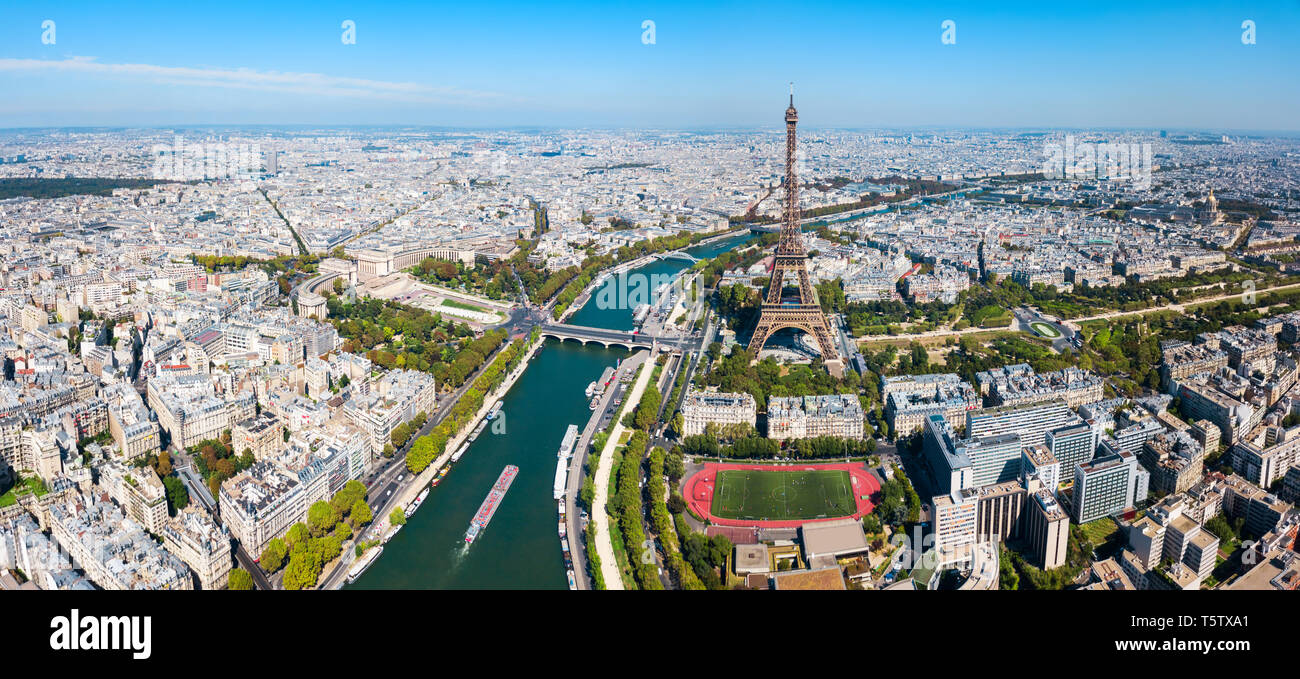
x: 401, y: 476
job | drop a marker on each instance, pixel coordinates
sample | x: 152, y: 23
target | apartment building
x: 112, y: 549
x: 702, y: 408
x: 798, y: 417
x: 261, y: 504
x: 1174, y: 460
x: 1019, y: 384
x: 139, y: 492
x: 911, y: 399
x: 263, y: 434
x: 1180, y: 360
x: 202, y: 544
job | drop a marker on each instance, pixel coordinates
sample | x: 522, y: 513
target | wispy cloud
x: 316, y: 84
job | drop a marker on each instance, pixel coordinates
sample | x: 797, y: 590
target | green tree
x: 398, y: 517
x: 177, y: 496
x: 321, y: 517
x: 302, y: 571
x: 361, y: 514
x: 240, y: 579
x: 647, y: 411
x: 273, y: 555
x: 298, y: 534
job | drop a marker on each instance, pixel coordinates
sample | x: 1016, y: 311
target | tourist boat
x: 478, y: 430
x: 595, y: 403
x: 455, y: 457
x: 491, y: 503
x: 567, y: 443
x: 410, y: 509
x: 572, y: 583
x: 591, y: 390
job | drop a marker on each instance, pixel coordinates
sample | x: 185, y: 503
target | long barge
x: 363, y: 563
x: 491, y: 503
x: 562, y: 461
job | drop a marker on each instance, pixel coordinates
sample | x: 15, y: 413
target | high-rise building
x: 1037, y: 462
x: 1029, y: 421
x: 1108, y: 484
x: 998, y: 515
x: 951, y: 470
x: 955, y: 519
x: 993, y: 459
x: 1046, y: 529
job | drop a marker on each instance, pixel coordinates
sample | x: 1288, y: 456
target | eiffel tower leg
x: 762, y: 330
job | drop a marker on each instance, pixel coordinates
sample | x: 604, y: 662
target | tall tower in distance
x: 802, y: 310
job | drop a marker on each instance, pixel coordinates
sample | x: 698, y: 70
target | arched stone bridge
x: 608, y: 338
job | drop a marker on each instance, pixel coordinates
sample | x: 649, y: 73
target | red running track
x: 699, y: 490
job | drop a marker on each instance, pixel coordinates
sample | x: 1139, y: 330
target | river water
x: 520, y: 549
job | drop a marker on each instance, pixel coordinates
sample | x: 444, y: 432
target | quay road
x: 604, y: 410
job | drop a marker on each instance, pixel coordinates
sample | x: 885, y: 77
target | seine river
x: 521, y: 547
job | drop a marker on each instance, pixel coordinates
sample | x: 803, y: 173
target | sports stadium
x: 780, y: 496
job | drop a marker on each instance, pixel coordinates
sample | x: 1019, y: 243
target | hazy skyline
x: 1104, y: 65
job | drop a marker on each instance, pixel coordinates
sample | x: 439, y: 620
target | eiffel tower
x: 802, y: 312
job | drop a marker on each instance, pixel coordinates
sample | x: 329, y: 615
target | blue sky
x: 858, y: 64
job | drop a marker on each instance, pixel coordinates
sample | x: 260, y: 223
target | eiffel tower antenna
x: 802, y: 312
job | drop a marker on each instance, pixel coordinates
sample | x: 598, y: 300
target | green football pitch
x: 778, y: 495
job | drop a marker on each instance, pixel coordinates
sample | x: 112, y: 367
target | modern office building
x: 950, y: 469
x: 1073, y: 444
x: 1046, y: 529
x: 1108, y: 484
x: 1038, y: 462
x: 993, y: 459
x: 955, y: 520
x: 999, y: 511
x: 1029, y: 421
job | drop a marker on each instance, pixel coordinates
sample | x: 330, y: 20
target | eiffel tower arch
x: 801, y: 311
